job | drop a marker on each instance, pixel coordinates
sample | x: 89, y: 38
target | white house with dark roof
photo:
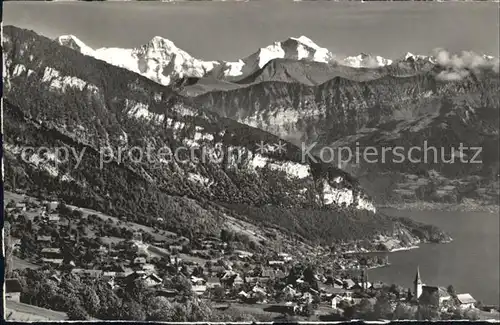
x: 349, y: 283
x: 152, y: 280
x: 466, y: 301
x: 199, y: 289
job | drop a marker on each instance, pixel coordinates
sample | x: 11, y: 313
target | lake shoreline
x: 442, y: 207
x: 455, y: 263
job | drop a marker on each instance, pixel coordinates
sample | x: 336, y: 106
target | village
x: 61, y: 241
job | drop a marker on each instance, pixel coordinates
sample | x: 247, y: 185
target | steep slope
x: 446, y: 103
x: 132, y: 148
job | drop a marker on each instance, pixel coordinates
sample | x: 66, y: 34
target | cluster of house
x: 26, y: 207
x: 120, y: 265
x: 331, y: 291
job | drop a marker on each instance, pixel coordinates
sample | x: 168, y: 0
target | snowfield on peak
x: 415, y: 57
x: 75, y: 43
x: 162, y: 61
x: 365, y: 61
x: 300, y: 48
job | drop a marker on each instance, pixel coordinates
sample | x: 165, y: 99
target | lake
x: 231, y: 30
x: 470, y: 263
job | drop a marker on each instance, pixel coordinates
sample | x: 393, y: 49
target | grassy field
x: 16, y: 311
x: 20, y: 264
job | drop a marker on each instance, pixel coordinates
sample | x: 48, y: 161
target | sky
x: 232, y: 30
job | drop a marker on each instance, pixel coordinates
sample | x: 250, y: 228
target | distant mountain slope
x: 445, y: 103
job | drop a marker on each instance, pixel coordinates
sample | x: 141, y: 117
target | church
x: 424, y: 293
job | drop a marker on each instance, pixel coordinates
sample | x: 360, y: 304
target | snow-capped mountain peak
x: 416, y: 57
x: 159, y: 45
x: 297, y: 48
x: 306, y: 41
x: 159, y: 59
x: 161, y: 42
x: 365, y: 61
x: 75, y: 43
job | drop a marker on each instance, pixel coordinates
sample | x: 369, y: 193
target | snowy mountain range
x: 162, y: 61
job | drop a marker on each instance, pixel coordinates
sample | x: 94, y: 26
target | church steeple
x: 417, y: 284
x: 417, y: 277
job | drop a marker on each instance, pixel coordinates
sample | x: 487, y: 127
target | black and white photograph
x: 250, y: 161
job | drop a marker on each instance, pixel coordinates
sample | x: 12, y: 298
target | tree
x: 382, y: 309
x: 427, y: 312
x: 364, y: 309
x: 226, y: 235
x: 309, y: 277
x: 8, y: 250
x: 90, y: 300
x: 109, y: 302
x: 471, y: 314
x: 182, y: 285
x: 308, y: 310
x: 11, y: 204
x: 159, y: 309
x: 199, y: 310
x: 349, y: 312
x: 132, y: 310
x: 428, y: 299
x: 198, y: 271
x: 218, y: 293
x: 77, y: 312
x: 137, y: 290
x: 451, y: 291
x: 403, y: 312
